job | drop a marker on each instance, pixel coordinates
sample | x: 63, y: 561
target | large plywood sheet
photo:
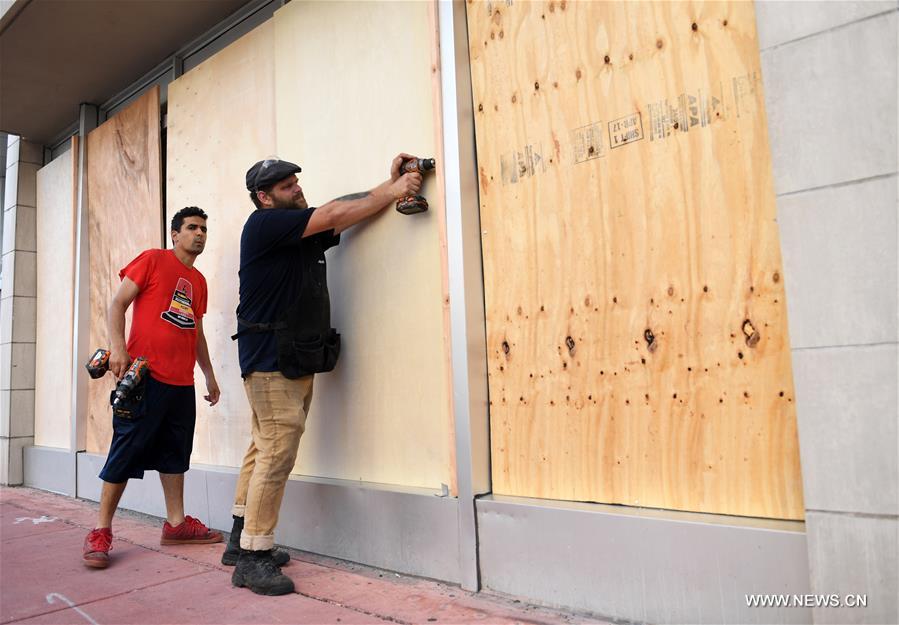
x: 55, y: 219
x: 384, y: 414
x: 637, y: 333
x: 221, y: 115
x: 125, y: 212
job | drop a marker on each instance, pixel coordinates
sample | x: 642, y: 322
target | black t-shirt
x: 273, y: 259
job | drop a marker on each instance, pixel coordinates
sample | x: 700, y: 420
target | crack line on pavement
x: 98, y: 599
x: 138, y: 589
x: 55, y: 530
x: 388, y: 618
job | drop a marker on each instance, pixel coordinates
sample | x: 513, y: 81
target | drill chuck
x: 418, y: 164
x: 136, y: 372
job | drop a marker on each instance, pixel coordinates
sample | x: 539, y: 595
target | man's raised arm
x: 345, y: 211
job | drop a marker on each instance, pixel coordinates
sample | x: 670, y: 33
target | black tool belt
x: 248, y: 327
x: 300, y: 355
x: 131, y: 406
x: 300, y: 352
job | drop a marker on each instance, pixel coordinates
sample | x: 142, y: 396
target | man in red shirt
x: 154, y: 429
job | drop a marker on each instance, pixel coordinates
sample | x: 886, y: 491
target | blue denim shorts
x: 157, y: 436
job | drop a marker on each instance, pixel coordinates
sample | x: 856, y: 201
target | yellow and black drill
x: 412, y: 204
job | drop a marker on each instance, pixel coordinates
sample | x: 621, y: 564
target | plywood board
x: 636, y: 319
x: 383, y: 415
x: 124, y: 213
x: 55, y: 219
x: 221, y: 115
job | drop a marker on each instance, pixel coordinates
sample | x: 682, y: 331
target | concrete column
x: 17, y: 306
x: 830, y: 78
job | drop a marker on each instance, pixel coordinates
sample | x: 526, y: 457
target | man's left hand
x: 395, y: 172
x: 212, y: 388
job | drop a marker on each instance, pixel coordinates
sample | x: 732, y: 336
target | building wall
x: 830, y: 78
x: 17, y: 307
x: 829, y: 72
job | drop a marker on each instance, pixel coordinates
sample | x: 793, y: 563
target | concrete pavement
x: 42, y: 580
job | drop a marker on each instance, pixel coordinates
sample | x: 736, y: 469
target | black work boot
x: 232, y: 549
x: 257, y: 571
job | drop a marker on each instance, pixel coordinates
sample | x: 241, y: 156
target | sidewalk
x: 42, y: 580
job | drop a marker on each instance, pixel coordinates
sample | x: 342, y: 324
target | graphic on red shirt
x: 166, y: 314
x: 180, y: 312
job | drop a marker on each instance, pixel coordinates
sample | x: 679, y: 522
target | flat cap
x: 269, y: 171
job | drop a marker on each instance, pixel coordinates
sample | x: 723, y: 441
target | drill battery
x: 98, y: 365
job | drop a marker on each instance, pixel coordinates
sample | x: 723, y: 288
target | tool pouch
x: 131, y: 406
x: 298, y: 357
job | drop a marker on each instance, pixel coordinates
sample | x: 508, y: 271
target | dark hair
x: 187, y: 211
x: 255, y: 198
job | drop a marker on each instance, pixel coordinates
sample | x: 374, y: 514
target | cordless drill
x: 412, y: 204
x: 98, y: 365
x: 136, y: 372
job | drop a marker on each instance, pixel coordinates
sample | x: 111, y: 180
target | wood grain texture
x: 440, y: 190
x: 124, y: 215
x: 55, y: 228
x: 636, y: 318
x: 384, y: 414
x: 221, y: 119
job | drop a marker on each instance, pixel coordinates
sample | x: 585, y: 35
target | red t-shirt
x: 165, y: 312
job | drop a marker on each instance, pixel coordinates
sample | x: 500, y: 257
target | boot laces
x: 267, y: 563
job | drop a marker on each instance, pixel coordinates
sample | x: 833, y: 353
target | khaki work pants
x: 279, y: 408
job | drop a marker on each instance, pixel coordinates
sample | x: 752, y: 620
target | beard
x: 296, y: 203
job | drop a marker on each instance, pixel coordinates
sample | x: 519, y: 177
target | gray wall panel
x: 847, y: 428
x: 855, y: 555
x: 831, y: 97
x: 831, y: 102
x: 409, y: 530
x: 220, y: 485
x: 144, y: 495
x: 787, y: 21
x: 840, y: 263
x: 654, y: 566
x: 412, y: 531
x: 48, y: 468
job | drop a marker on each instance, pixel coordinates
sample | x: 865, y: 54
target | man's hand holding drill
x: 402, y: 185
x: 119, y: 361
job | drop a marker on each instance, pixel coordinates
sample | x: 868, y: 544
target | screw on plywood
x: 650, y: 340
x: 752, y: 335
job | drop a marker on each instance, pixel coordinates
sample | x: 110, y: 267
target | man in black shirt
x: 284, y: 338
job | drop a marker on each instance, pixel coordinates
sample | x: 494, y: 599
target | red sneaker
x: 96, y: 548
x: 190, y: 532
